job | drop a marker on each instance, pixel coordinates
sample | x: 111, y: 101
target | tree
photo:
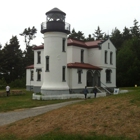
x: 128, y: 63
x: 29, y: 34
x: 90, y: 38
x: 126, y: 35
x: 76, y: 35
x: 12, y: 60
x: 135, y: 30
x: 98, y: 34
x: 73, y: 34
x: 116, y: 38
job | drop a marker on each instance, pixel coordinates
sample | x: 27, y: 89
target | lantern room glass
x: 55, y: 17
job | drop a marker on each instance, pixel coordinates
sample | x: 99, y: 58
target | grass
x: 113, y: 117
x: 23, y: 101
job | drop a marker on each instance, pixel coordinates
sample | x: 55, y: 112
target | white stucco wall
x: 104, y: 66
x: 57, y: 59
x: 38, y: 66
x: 73, y: 79
x: 28, y: 77
x: 74, y: 54
x: 94, y: 56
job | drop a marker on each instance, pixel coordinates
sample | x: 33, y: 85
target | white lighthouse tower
x: 55, y: 31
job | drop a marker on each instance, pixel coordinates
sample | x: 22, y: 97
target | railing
x: 105, y: 88
x: 44, y: 26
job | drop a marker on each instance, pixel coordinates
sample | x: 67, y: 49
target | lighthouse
x: 55, y: 31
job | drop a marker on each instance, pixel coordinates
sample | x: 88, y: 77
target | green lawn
x: 23, y: 101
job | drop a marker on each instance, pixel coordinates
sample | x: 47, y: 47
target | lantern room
x: 55, y: 21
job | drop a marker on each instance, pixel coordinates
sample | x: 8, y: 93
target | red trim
x: 30, y: 67
x: 83, y: 66
x: 39, y: 47
x: 78, y: 43
x: 75, y: 65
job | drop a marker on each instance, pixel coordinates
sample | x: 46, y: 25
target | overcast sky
x: 83, y: 15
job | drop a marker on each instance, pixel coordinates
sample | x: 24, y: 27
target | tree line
x: 13, y: 60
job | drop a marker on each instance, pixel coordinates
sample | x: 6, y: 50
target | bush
x: 2, y: 83
x: 18, y: 83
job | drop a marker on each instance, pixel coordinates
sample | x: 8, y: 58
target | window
x: 111, y: 57
x: 47, y: 63
x: 108, y: 45
x: 32, y: 75
x: 105, y: 57
x: 63, y: 73
x: 82, y: 56
x: 108, y: 76
x: 38, y: 74
x: 63, y: 45
x: 38, y: 57
x: 79, y: 76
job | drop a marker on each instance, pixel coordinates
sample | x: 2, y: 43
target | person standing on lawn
x: 85, y: 92
x: 8, y: 90
x: 95, y: 91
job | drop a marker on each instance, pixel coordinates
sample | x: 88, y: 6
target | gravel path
x: 13, y: 116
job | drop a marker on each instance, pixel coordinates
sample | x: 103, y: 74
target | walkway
x: 13, y: 116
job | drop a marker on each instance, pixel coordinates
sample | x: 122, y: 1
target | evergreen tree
x: 12, y: 63
x: 29, y: 34
x: 135, y: 29
x: 128, y: 63
x: 98, y: 34
x: 90, y: 38
x: 116, y: 38
x: 73, y: 34
x: 126, y: 35
x: 76, y: 35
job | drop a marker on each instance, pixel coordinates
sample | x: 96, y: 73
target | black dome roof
x: 55, y: 10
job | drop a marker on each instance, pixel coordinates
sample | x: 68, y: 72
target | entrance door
x: 93, y: 78
x: 89, y: 78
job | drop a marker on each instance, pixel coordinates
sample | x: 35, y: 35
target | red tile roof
x: 75, y: 65
x: 39, y: 47
x: 83, y: 66
x: 87, y: 44
x: 30, y: 67
x: 79, y: 43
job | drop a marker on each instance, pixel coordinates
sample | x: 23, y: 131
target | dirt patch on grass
x: 104, y: 116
